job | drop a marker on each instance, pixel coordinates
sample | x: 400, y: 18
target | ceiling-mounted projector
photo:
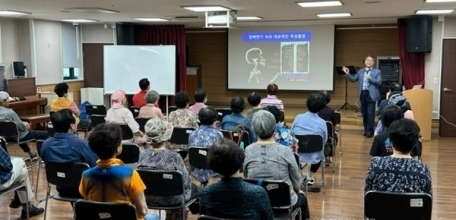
x: 220, y: 19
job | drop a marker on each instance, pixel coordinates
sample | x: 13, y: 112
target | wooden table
x: 29, y: 102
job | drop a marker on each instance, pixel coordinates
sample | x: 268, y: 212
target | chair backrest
x: 207, y: 217
x: 180, y: 136
x: 197, y: 157
x: 8, y: 129
x: 39, y: 144
x: 65, y: 175
x: 127, y: 134
x: 282, y: 116
x: 142, y: 122
x: 171, y: 109
x: 337, y: 117
x: 222, y: 112
x: 330, y: 129
x: 95, y: 110
x: 162, y: 183
x: 3, y: 144
x: 278, y: 192
x: 239, y: 137
x: 135, y: 111
x: 104, y: 211
x: 97, y: 119
x: 388, y: 205
x: 130, y: 153
x: 309, y: 143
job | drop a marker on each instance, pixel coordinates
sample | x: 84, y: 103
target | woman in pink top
x: 149, y: 110
x: 272, y: 99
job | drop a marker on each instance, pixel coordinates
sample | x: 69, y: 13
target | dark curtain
x: 412, y: 64
x: 166, y: 35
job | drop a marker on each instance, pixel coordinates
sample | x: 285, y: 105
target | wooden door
x: 448, y: 89
x: 93, y: 64
x: 193, y: 81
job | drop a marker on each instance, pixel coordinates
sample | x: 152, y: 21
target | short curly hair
x: 152, y: 96
x: 62, y: 119
x: 144, y: 84
x: 272, y: 89
x: 237, y: 104
x: 200, y: 95
x: 181, y: 99
x: 274, y: 111
x: 61, y: 89
x: 254, y: 99
x: 105, y: 139
x: 404, y: 133
x: 225, y: 157
x: 315, y: 102
x: 207, y: 115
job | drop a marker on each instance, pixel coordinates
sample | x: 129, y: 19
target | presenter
x: 369, y: 79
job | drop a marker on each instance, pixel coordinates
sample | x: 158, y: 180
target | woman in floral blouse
x: 183, y: 117
x: 400, y: 172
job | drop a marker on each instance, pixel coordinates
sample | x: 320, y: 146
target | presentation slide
x: 294, y: 58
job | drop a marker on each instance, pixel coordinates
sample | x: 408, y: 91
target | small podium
x: 421, y: 103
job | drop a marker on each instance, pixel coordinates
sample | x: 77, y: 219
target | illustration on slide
x: 254, y: 56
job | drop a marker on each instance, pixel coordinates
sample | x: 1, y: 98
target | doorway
x: 448, y: 89
x: 193, y: 81
x: 93, y: 64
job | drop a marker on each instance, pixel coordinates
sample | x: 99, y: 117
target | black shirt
x: 382, y: 146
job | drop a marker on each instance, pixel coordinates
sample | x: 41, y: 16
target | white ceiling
x: 274, y: 12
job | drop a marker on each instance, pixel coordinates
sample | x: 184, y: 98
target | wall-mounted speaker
x: 419, y: 34
x: 125, y: 33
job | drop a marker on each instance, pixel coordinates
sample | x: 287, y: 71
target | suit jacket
x: 374, y: 82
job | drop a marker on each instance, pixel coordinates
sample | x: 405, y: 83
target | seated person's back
x: 150, y: 110
x: 110, y: 181
x: 182, y: 117
x: 230, y: 122
x: 138, y: 98
x: 400, y: 172
x: 231, y: 197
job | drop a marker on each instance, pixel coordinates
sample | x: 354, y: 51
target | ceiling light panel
x: 206, y: 8
x: 334, y: 15
x: 79, y: 20
x: 438, y: 1
x: 434, y: 12
x: 248, y: 18
x: 319, y: 4
x: 9, y: 12
x: 150, y: 19
x: 90, y: 10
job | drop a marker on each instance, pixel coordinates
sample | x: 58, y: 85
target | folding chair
x: 127, y: 134
x: 197, y: 158
x: 222, y: 112
x: 130, y: 153
x: 84, y: 210
x: 9, y: 131
x: 14, y: 187
x: 142, y: 122
x: 171, y: 109
x: 97, y: 119
x: 180, y: 137
x: 165, y: 183
x: 135, y: 111
x: 95, y: 110
x: 279, y: 197
x: 400, y: 206
x: 40, y: 162
x: 312, y: 144
x: 338, y: 129
x: 332, y: 143
x: 65, y: 175
x: 242, y: 138
x: 304, y: 177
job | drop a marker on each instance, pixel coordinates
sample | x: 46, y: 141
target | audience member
x: 110, y: 181
x: 272, y: 99
x: 158, y: 132
x: 254, y: 100
x: 327, y: 113
x: 151, y: 110
x: 119, y: 114
x: 62, y: 102
x: 230, y: 122
x: 282, y: 135
x: 25, y: 134
x: 395, y: 88
x: 200, y: 99
x: 204, y: 136
x: 231, y: 197
x: 65, y: 147
x: 14, y: 171
x: 268, y: 159
x: 138, y: 98
x: 399, y: 100
x: 310, y: 123
x: 382, y: 145
x: 183, y: 117
x: 400, y: 172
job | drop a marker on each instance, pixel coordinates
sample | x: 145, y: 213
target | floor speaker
x: 419, y: 34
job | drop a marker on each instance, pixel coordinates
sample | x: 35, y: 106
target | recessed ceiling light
x: 206, y: 8
x: 150, y: 19
x: 434, y: 12
x: 78, y: 20
x: 334, y: 15
x: 436, y: 1
x: 9, y: 12
x: 319, y: 4
x: 90, y: 10
x: 245, y: 18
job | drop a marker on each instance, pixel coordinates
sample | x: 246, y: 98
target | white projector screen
x: 124, y: 66
x: 294, y: 58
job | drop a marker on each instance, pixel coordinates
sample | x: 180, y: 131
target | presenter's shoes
x: 369, y: 135
x: 33, y: 211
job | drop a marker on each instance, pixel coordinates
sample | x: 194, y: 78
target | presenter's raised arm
x: 350, y: 77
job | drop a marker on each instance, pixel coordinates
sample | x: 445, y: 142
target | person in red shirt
x: 138, y: 98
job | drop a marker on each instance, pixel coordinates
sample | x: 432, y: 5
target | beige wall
x: 96, y: 33
x: 10, y: 44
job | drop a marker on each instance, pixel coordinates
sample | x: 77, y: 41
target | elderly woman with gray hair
x: 267, y: 159
x: 150, y: 110
x: 158, y: 132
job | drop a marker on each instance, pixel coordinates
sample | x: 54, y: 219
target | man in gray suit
x: 369, y: 79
